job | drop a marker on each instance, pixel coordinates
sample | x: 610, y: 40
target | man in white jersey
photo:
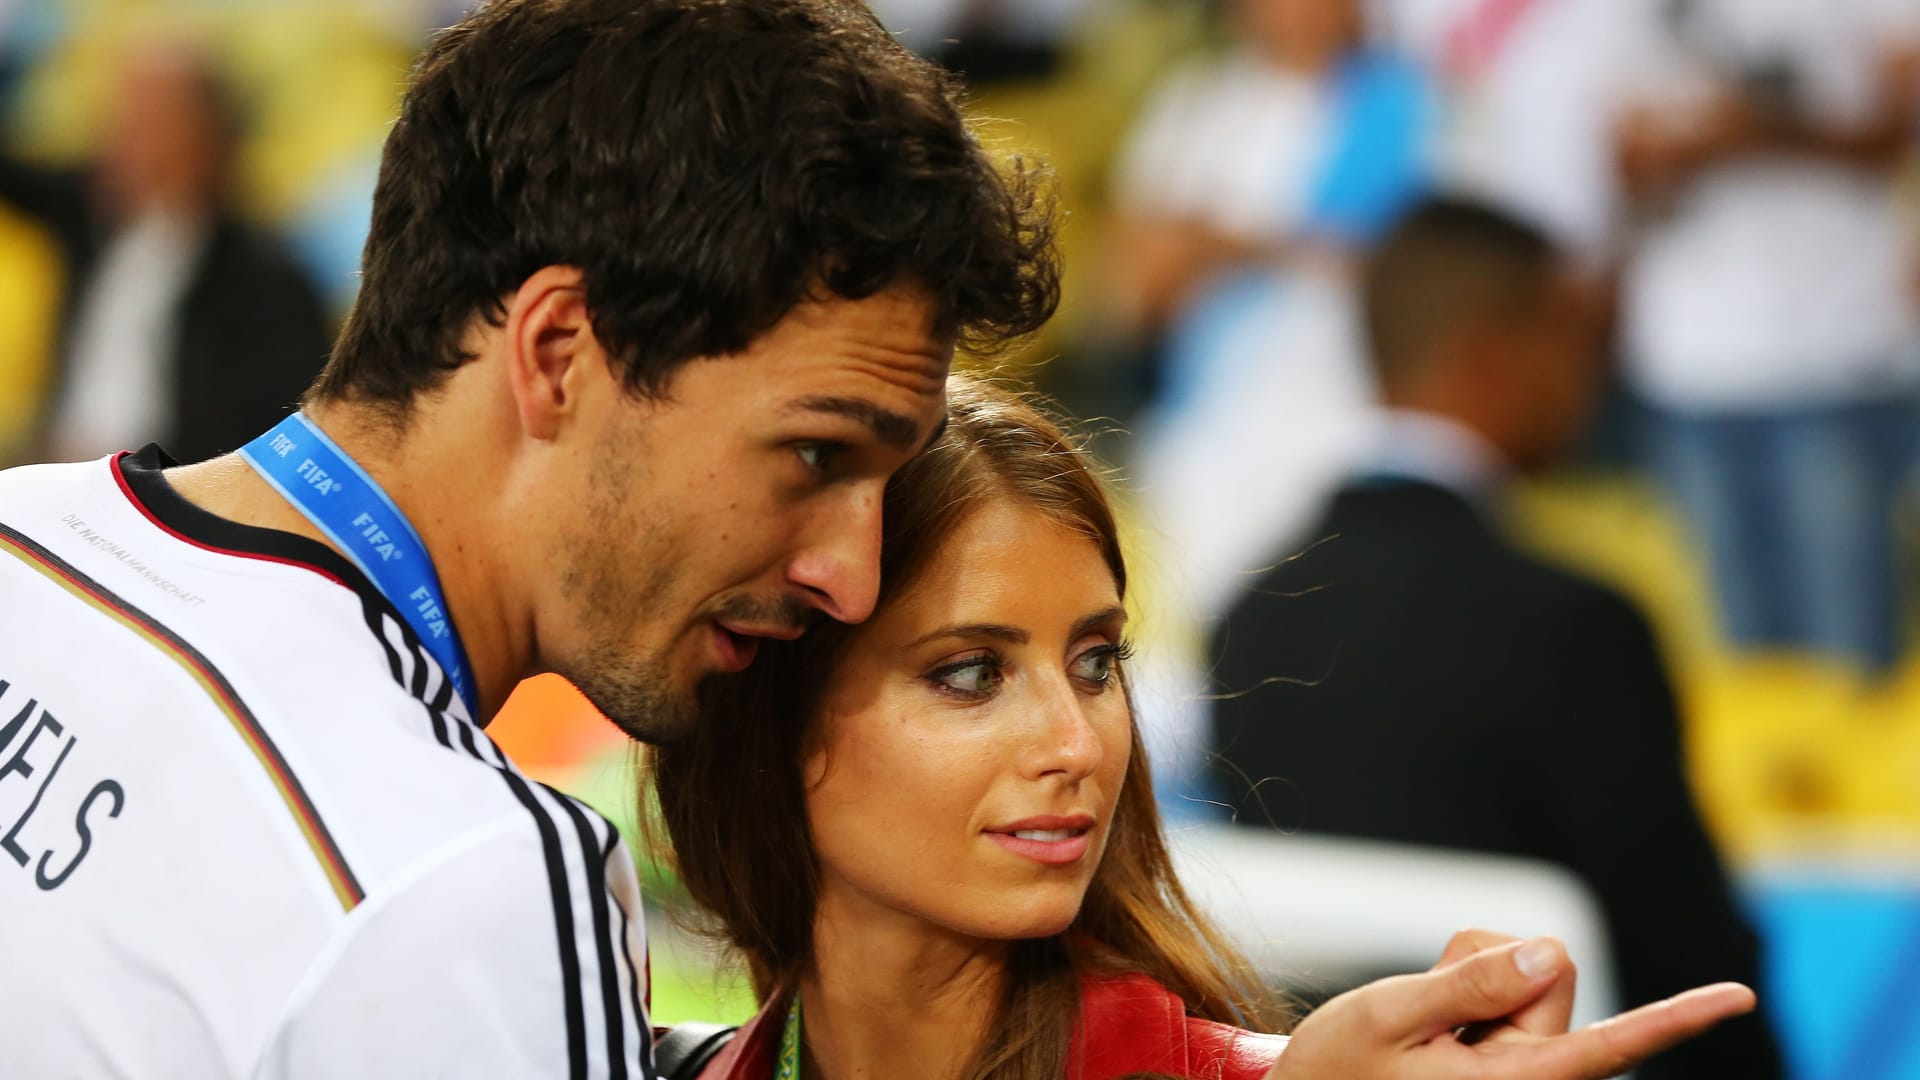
x: 657, y: 295
x: 253, y: 827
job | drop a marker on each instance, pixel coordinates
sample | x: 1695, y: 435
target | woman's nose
x: 1069, y: 746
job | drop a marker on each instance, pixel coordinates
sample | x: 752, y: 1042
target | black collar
x: 141, y: 477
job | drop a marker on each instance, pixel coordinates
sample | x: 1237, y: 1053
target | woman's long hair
x: 733, y: 803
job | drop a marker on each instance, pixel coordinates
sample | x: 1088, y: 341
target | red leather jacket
x: 1128, y: 1024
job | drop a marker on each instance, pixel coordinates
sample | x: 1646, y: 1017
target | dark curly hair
x: 706, y: 164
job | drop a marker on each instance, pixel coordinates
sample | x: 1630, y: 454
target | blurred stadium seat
x: 1320, y: 914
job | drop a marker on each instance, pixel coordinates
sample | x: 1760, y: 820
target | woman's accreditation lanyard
x: 788, y: 1067
x: 326, y: 485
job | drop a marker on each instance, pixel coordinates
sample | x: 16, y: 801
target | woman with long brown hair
x: 976, y: 807
x: 932, y: 835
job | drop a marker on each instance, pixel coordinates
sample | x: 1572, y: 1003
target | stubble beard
x: 602, y: 581
x: 635, y: 693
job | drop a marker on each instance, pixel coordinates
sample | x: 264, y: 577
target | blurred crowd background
x: 1616, y: 451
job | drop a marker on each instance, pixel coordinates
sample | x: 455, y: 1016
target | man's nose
x: 838, y: 566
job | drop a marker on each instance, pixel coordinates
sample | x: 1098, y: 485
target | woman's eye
x: 1096, y: 665
x: 980, y: 675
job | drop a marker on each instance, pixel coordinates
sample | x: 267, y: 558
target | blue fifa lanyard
x: 331, y: 489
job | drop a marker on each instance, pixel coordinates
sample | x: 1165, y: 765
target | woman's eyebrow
x: 1014, y: 635
x: 997, y: 631
x: 1110, y: 616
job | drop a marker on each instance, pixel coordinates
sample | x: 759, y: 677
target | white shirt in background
x: 1441, y: 451
x: 120, y: 365
x: 1776, y: 281
x: 1234, y: 469
x: 1529, y: 91
x: 1230, y: 142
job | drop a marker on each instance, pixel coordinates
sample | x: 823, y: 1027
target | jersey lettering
x: 104, y: 787
x: 19, y: 765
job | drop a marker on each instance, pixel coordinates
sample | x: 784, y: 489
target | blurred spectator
x: 1252, y: 180
x: 1296, y: 144
x: 989, y: 40
x: 1412, y: 677
x: 1529, y: 89
x: 181, y: 324
x: 1769, y: 316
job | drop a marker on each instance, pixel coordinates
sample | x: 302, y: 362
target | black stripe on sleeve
x: 454, y: 733
x: 490, y: 751
x: 467, y: 740
x: 417, y: 686
x: 439, y: 722
x: 626, y: 963
x: 373, y: 617
x: 378, y: 620
x: 563, y: 924
x: 603, y: 938
x: 416, y: 678
x: 443, y: 697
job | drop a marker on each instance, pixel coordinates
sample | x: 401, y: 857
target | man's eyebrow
x: 888, y: 426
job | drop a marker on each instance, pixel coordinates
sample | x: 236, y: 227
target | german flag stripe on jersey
x: 339, y: 875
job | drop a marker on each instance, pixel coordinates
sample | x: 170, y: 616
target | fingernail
x: 1537, y: 957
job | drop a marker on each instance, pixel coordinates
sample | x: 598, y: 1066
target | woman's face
x: 973, y: 739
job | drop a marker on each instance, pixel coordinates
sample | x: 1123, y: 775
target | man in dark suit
x: 1413, y: 677
x: 181, y: 323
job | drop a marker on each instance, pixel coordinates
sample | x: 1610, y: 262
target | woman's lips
x: 1059, y: 847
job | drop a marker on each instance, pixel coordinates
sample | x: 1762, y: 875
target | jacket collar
x: 1127, y: 1024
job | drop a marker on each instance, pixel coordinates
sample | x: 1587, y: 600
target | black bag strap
x: 685, y: 1049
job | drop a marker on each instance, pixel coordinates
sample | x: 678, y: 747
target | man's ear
x: 550, y: 351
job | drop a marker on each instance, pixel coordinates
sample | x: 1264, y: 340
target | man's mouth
x: 755, y: 631
x: 740, y: 625
x: 736, y: 650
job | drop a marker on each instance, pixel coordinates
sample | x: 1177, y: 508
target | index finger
x: 1611, y: 1047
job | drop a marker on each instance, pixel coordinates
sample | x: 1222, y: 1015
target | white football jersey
x: 250, y: 831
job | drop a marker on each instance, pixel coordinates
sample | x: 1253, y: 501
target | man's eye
x: 816, y: 455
